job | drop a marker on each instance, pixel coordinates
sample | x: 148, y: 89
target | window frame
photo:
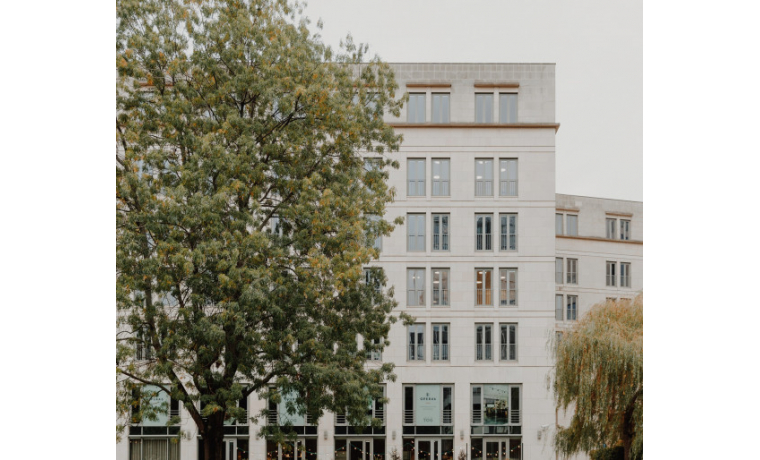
x: 611, y: 226
x: 504, y: 180
x: 487, y: 294
x: 442, y: 119
x: 411, y: 415
x: 611, y: 276
x: 420, y: 329
x: 444, y: 332
x: 445, y: 237
x: 418, y: 181
x: 511, y: 299
x: 511, y: 340
x: 443, y: 294
x: 484, y: 106
x: 417, y: 100
x: 559, y: 219
x: 414, y: 272
x: 574, y: 309
x: 487, y: 237
x: 559, y: 276
x: 506, y: 236
x: 572, y: 271
x: 510, y: 408
x: 625, y: 274
x: 625, y: 235
x: 574, y: 231
x: 511, y: 116
x: 415, y: 242
x: 485, y: 184
x: 559, y: 307
x: 444, y: 184
x: 487, y: 338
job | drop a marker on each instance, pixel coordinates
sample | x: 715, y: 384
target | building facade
x: 490, y: 262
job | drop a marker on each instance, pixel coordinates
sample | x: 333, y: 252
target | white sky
x: 596, y: 44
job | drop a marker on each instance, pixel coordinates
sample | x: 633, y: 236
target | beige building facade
x: 491, y: 262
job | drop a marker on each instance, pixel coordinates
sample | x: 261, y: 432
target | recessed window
x: 484, y: 177
x: 507, y: 108
x: 572, y: 225
x: 415, y: 174
x: 508, y: 232
x: 572, y: 271
x: 415, y: 229
x: 611, y: 224
x: 625, y: 274
x: 558, y: 227
x: 440, y: 232
x: 440, y: 286
x: 440, y: 342
x: 483, y: 232
x: 558, y: 307
x: 558, y: 263
x: 483, y: 286
x: 625, y: 229
x: 508, y: 286
x: 484, y: 108
x: 416, y: 342
x: 611, y: 273
x: 483, y: 342
x: 441, y: 168
x: 415, y: 287
x: 440, y: 107
x: 572, y: 308
x: 508, y: 177
x: 415, y: 111
x: 508, y: 343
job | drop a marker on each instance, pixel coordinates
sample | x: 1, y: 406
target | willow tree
x: 246, y: 211
x: 599, y: 376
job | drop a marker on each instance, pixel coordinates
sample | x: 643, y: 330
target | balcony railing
x: 440, y: 297
x: 440, y: 188
x: 483, y: 296
x: 379, y: 414
x: 447, y: 417
x: 409, y: 417
x: 440, y: 242
x: 483, y: 242
x: 508, y: 188
x: 483, y: 351
x: 477, y: 417
x: 440, y: 352
x: 484, y: 188
x: 514, y: 417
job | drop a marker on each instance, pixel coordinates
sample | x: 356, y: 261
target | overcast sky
x: 596, y: 44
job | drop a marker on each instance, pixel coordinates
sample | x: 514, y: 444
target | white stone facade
x: 532, y: 252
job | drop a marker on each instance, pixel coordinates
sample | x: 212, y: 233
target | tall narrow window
x: 375, y: 355
x: 508, y: 342
x: 415, y: 224
x: 483, y: 232
x: 440, y: 286
x: 611, y: 273
x: 558, y: 306
x: 507, y: 108
x: 558, y: 278
x: 416, y: 334
x: 377, y: 243
x: 440, y: 232
x: 611, y: 228
x: 483, y: 287
x: 558, y: 228
x: 483, y: 177
x: 508, y: 232
x: 440, y: 107
x: 415, y: 177
x: 625, y: 229
x: 415, y: 286
x: 415, y: 111
x: 572, y: 307
x: 441, y: 177
x: 572, y: 271
x: 276, y: 225
x: 572, y: 225
x: 483, y: 342
x: 508, y: 177
x: 483, y: 108
x: 625, y: 274
x: 440, y: 342
x: 508, y: 286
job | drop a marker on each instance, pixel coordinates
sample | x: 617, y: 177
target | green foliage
x: 232, y: 117
x: 611, y: 453
x: 599, y: 375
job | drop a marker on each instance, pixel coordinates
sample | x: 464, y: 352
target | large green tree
x: 244, y: 210
x: 599, y: 376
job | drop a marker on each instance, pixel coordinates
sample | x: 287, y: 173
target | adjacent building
x: 491, y: 262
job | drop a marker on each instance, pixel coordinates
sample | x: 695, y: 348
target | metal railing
x: 440, y: 188
x: 440, y: 242
x: 508, y: 188
x: 409, y: 417
x: 272, y: 418
x: 483, y: 242
x: 483, y: 296
x: 484, y: 188
x: 483, y: 351
x: 508, y: 352
x: 447, y: 417
x: 514, y: 417
x: 440, y: 352
x: 440, y: 297
x: 379, y: 414
x: 477, y: 417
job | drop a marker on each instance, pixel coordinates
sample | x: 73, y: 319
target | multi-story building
x: 490, y: 261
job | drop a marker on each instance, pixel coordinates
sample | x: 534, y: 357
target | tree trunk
x: 627, y: 442
x: 213, y: 437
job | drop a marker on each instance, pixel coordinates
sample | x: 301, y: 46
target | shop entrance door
x: 230, y: 449
x: 360, y: 449
x: 428, y: 449
x: 503, y: 449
